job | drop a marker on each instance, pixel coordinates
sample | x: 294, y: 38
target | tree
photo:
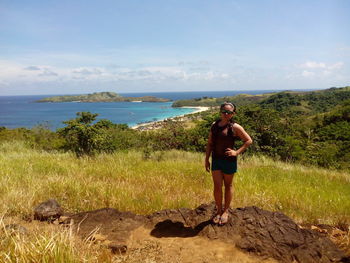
x: 85, y: 137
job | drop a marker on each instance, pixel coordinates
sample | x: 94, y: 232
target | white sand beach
x: 153, y: 124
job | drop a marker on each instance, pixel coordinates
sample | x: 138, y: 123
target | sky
x: 84, y: 46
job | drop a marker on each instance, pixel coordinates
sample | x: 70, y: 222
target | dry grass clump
x: 46, y: 244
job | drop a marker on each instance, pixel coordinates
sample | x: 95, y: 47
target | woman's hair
x: 228, y: 103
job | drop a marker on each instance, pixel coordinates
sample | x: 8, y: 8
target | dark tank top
x: 222, y: 138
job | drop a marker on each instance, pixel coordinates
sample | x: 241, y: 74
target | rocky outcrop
x: 254, y: 230
x: 265, y: 233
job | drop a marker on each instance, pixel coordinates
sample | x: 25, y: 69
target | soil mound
x: 251, y: 229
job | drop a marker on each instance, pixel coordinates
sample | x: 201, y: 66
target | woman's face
x: 227, y: 112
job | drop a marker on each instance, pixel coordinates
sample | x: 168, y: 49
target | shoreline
x: 151, y: 125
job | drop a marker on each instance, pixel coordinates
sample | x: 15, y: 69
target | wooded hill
x: 303, y: 102
x: 312, y: 127
x: 101, y: 97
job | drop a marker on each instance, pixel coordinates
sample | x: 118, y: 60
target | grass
x: 173, y: 179
x: 47, y: 244
x: 129, y: 182
x: 307, y: 194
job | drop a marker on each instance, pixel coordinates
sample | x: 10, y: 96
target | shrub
x: 85, y: 138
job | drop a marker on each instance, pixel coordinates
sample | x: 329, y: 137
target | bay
x: 23, y: 111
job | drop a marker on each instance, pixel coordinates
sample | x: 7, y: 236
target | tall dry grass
x: 47, y: 244
x: 128, y: 182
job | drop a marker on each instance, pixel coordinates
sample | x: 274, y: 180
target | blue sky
x: 67, y: 47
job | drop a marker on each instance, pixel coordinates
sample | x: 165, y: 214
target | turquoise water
x: 28, y: 114
x: 22, y: 111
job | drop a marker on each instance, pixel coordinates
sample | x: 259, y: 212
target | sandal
x: 216, y: 219
x: 223, y: 219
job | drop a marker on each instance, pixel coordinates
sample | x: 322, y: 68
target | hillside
x: 307, y: 102
x: 101, y: 97
x: 171, y: 180
x: 108, y: 179
x: 241, y: 99
x: 311, y: 101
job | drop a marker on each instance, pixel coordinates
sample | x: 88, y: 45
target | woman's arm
x: 208, y: 151
x: 244, y: 136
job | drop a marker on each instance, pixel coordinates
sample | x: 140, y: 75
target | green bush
x: 39, y: 137
x: 85, y: 137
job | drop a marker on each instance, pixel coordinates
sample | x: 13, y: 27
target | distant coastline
x: 100, y: 97
x: 22, y: 111
x: 157, y: 124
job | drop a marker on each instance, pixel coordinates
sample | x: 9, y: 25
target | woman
x: 223, y: 134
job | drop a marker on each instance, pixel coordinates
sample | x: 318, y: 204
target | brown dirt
x: 142, y: 245
x: 184, y: 235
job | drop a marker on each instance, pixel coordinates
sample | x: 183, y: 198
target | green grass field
x: 173, y: 179
x: 128, y: 182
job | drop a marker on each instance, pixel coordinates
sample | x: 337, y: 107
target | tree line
x: 311, y: 128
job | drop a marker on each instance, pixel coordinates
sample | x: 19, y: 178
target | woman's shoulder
x: 236, y: 126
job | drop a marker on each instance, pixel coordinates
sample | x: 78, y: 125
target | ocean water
x: 23, y: 111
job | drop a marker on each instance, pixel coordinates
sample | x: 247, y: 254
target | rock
x: 254, y: 230
x: 274, y: 234
x: 48, y: 211
x: 13, y: 229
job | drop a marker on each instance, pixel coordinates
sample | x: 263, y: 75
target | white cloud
x: 17, y: 74
x: 321, y: 65
x: 87, y: 71
x: 313, y: 65
x: 337, y: 65
x: 48, y: 73
x: 344, y: 51
x: 307, y: 74
x: 32, y: 68
x: 320, y: 69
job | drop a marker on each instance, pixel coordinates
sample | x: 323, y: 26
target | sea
x: 24, y: 111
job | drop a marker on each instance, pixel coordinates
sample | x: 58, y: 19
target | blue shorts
x: 227, y: 167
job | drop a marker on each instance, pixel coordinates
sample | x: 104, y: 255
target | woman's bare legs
x: 218, y: 178
x: 228, y: 178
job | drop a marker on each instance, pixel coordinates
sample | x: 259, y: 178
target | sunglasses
x: 227, y: 111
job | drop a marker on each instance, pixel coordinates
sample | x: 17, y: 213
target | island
x: 101, y: 97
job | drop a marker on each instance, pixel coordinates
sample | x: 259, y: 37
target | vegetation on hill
x: 241, y: 99
x: 285, y: 126
x: 315, y: 101
x: 101, y: 97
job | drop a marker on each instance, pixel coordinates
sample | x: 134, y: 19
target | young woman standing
x: 223, y: 134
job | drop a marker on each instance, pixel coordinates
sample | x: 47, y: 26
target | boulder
x: 48, y: 211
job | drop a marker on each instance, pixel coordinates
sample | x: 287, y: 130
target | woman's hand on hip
x: 230, y: 152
